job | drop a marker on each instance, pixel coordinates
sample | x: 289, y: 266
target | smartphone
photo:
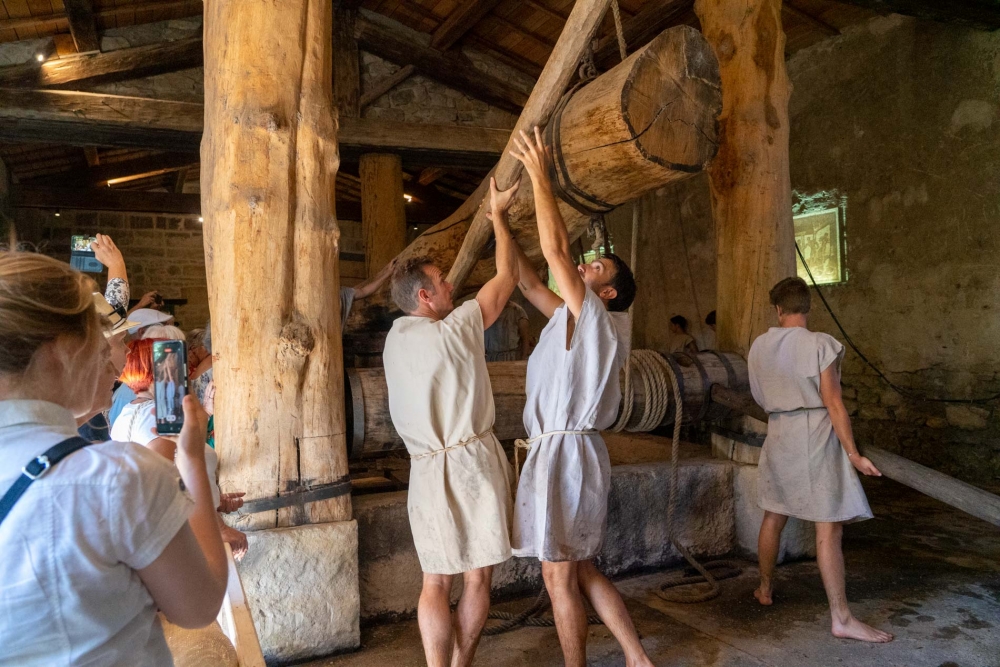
x: 169, y: 384
x: 82, y: 256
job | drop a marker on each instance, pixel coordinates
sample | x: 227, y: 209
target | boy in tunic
x: 441, y: 404
x: 807, y: 466
x: 560, y: 514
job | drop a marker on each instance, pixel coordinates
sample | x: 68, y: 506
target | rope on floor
x: 530, y: 617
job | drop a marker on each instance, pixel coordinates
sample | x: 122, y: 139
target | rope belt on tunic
x: 526, y: 445
x: 463, y: 443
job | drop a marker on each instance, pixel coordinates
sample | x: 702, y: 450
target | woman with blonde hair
x: 95, y: 542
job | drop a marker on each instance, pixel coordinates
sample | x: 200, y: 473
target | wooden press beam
x: 580, y: 28
x: 346, y: 66
x: 82, y: 25
x: 92, y: 119
x: 394, y: 44
x: 94, y: 68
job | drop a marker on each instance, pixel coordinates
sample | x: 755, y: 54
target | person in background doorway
x: 809, y: 461
x: 680, y: 339
x: 509, y: 338
x: 708, y: 336
x: 348, y: 295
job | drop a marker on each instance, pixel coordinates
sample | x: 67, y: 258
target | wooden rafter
x: 515, y: 61
x: 94, y: 68
x: 108, y: 199
x: 384, y: 85
x: 32, y: 21
x: 814, y: 21
x: 91, y: 155
x: 126, y: 170
x: 91, y: 119
x: 540, y: 40
x: 82, y: 25
x: 460, y: 21
x: 395, y: 45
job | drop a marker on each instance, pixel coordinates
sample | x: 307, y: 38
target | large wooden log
x: 751, y: 188
x: 269, y: 164
x: 371, y: 431
x: 649, y: 121
x: 383, y: 217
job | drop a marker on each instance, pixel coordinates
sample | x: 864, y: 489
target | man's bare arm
x: 552, y: 234
x: 831, y: 393
x: 532, y: 287
x: 493, y: 296
x: 369, y: 287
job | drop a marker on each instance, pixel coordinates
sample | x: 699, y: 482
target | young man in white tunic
x: 807, y: 467
x: 560, y: 514
x: 441, y: 404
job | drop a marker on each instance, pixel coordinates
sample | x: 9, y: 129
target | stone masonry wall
x: 162, y: 252
x: 900, y: 116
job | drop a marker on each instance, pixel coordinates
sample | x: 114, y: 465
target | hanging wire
x: 901, y: 390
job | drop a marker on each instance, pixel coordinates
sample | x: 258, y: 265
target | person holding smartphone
x: 86, y: 589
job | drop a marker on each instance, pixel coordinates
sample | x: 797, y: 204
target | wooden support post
x: 83, y: 27
x: 269, y: 164
x: 346, y: 67
x: 383, y: 213
x: 751, y: 190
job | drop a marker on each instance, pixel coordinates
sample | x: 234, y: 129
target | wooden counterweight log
x: 370, y: 430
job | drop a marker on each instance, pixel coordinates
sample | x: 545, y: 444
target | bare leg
x: 768, y: 543
x: 470, y: 617
x: 567, y: 606
x: 434, y: 619
x: 831, y: 567
x: 608, y: 604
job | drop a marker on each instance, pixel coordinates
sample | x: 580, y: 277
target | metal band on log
x: 370, y: 429
x: 648, y: 122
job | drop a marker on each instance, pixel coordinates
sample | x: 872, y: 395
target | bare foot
x: 763, y: 596
x: 855, y: 629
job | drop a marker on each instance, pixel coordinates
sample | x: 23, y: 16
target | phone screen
x: 170, y: 384
x: 82, y: 243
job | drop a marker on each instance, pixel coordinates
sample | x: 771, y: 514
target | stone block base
x: 798, y: 540
x: 302, y: 586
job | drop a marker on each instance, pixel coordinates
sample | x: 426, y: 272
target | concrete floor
x: 929, y: 574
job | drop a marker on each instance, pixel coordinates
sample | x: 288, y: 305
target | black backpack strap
x: 37, y: 467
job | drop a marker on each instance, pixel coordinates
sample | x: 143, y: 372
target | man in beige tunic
x: 807, y: 466
x: 441, y: 404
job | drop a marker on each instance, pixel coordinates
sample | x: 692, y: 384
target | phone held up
x: 169, y: 384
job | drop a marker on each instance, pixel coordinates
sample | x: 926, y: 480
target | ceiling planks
x: 461, y: 21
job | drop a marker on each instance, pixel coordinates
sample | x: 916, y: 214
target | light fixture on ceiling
x: 45, y: 51
x: 201, y: 219
x: 408, y: 198
x: 58, y: 213
x: 40, y: 57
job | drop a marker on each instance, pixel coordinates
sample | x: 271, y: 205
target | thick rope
x: 530, y: 617
x: 616, y: 12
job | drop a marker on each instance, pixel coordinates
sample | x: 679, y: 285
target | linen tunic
x: 804, y: 471
x: 440, y: 400
x: 562, y: 497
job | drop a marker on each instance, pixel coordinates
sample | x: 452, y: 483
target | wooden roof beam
x: 395, y: 45
x: 108, y: 199
x: 94, y: 68
x: 91, y: 119
x: 125, y: 170
x: 814, y: 21
x: 982, y: 14
x: 384, y: 85
x: 82, y: 25
x: 32, y: 21
x: 460, y: 21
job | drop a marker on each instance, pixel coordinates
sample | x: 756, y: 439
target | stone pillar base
x: 302, y: 586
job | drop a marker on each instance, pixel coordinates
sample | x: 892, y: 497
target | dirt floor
x: 925, y: 572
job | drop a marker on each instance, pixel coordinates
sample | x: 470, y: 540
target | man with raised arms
x: 560, y: 514
x: 441, y: 404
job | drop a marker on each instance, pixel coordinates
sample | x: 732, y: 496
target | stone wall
x: 162, y: 252
x: 900, y: 116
